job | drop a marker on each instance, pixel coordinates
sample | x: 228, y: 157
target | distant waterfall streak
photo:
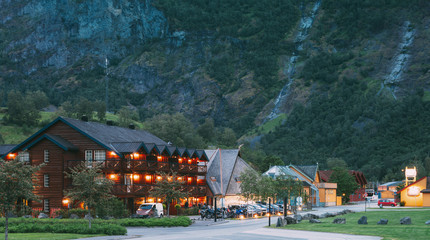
x: 306, y: 22
x: 400, y: 61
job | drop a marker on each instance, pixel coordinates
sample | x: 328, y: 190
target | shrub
x: 80, y: 212
x: 112, y: 207
x: 402, y: 203
x: 190, y: 211
x: 61, y: 227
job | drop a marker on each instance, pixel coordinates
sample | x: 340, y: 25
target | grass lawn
x: 418, y: 229
x: 43, y: 236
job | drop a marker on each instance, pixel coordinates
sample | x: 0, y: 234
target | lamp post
x: 269, y: 212
x: 215, y: 209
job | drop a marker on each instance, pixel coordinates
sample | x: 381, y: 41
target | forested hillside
x: 304, y: 80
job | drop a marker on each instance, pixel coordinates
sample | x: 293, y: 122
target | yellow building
x: 327, y: 192
x: 416, y: 194
x: 388, y: 190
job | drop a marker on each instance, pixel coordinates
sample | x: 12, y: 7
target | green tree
x: 346, y: 184
x: 39, y: 98
x: 427, y: 165
x: 227, y: 137
x: 66, y: 109
x: 175, y: 128
x: 336, y: 162
x: 84, y: 108
x: 1, y: 139
x: 21, y: 110
x: 169, y: 188
x: 269, y: 161
x: 89, y: 186
x: 256, y: 187
x: 207, y: 130
x: 100, y: 108
x: 287, y: 187
x: 16, y: 182
x: 249, y: 184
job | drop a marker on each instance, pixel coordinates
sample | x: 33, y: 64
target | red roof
x: 358, y: 176
x: 411, y: 184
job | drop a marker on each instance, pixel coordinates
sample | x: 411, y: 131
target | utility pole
x: 107, y: 85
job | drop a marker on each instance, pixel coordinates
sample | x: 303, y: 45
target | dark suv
x: 386, y: 202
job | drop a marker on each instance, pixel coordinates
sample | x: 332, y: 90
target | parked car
x: 386, y: 202
x: 251, y: 210
x: 147, y: 210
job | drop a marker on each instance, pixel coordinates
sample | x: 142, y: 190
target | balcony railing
x: 145, y: 189
x: 142, y: 165
x: 108, y: 164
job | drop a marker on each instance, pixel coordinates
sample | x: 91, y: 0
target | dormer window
x: 213, y: 179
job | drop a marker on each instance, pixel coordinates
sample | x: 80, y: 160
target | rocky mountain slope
x: 242, y: 63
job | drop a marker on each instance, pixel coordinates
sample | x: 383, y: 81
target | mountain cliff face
x: 243, y: 63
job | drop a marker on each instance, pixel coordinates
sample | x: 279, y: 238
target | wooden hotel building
x: 129, y: 157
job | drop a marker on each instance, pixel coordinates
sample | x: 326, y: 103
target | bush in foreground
x: 155, y: 222
x: 59, y: 227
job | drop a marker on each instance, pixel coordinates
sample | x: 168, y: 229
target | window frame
x: 24, y: 156
x: 99, y: 155
x: 46, y: 156
x: 46, y: 205
x: 46, y: 180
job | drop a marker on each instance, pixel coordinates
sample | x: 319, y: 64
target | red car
x: 386, y: 202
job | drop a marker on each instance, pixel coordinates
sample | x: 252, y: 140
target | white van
x: 150, y: 210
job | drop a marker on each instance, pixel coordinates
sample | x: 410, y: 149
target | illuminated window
x: 46, y: 180
x: 99, y: 155
x: 24, y: 156
x: 46, y: 156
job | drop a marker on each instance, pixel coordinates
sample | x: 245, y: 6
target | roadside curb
x: 208, y: 223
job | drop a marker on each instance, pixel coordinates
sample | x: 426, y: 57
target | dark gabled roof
x: 222, y: 164
x: 4, y: 149
x: 107, y: 134
x: 118, y: 139
x: 183, y: 151
x: 100, y: 133
x: 161, y: 149
x: 191, y: 152
x: 126, y: 147
x: 148, y: 147
x: 241, y: 166
x: 202, y: 155
x: 59, y: 141
x: 172, y: 150
x: 309, y: 170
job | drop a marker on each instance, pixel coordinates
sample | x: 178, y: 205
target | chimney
x: 109, y: 122
x: 131, y: 126
x: 84, y: 118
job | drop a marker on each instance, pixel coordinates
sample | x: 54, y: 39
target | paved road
x: 252, y: 229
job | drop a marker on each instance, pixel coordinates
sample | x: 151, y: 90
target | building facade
x: 223, y: 177
x: 130, y: 158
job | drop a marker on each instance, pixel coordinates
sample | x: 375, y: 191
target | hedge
x: 60, y: 227
x: 154, y: 222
